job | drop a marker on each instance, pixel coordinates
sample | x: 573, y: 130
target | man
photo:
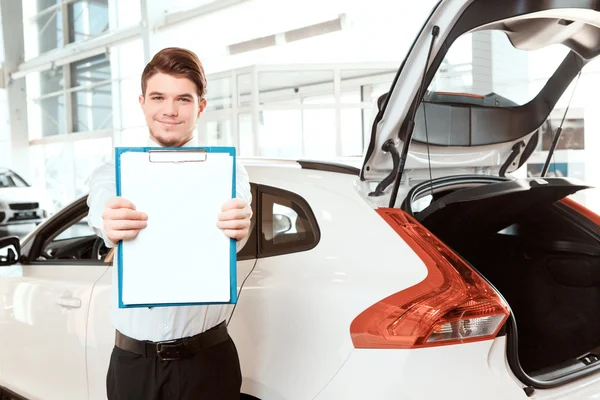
x: 206, y: 364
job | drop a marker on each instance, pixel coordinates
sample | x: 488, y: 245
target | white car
x: 430, y: 273
x: 19, y: 202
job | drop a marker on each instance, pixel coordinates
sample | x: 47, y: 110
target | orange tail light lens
x: 453, y: 304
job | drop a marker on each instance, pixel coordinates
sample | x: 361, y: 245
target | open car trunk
x: 540, y: 254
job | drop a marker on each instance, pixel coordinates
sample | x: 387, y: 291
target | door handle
x: 69, y: 302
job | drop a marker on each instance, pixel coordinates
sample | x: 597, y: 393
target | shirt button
x: 165, y: 326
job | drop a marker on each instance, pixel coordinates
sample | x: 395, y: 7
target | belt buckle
x: 160, y: 349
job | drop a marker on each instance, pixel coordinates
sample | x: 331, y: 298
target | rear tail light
x: 453, y: 304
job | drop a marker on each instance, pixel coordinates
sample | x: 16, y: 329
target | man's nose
x: 170, y: 109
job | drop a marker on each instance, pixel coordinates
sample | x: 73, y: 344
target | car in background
x: 21, y: 203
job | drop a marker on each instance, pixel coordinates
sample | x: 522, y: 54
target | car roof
x: 347, y: 167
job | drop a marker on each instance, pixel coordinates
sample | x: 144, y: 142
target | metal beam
x: 145, y: 25
x: 71, y: 52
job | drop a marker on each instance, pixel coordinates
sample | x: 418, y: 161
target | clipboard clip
x: 176, y: 156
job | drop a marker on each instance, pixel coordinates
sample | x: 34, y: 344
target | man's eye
x: 184, y: 99
x: 157, y: 98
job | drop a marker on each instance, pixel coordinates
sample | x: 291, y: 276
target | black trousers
x: 212, y: 373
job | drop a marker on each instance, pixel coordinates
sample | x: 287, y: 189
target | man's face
x: 171, y: 107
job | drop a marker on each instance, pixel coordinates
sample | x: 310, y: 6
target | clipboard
x: 181, y: 258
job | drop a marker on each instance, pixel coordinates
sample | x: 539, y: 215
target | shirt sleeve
x: 242, y: 187
x: 102, y: 189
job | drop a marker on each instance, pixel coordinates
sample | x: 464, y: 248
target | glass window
x: 288, y: 87
x: 244, y: 87
x: 280, y: 133
x: 218, y: 133
x: 46, y: 117
x: 33, y: 7
x: 87, y: 18
x: 287, y: 223
x: 90, y: 71
x: 487, y: 68
x: 218, y: 94
x: 72, y: 242
x: 89, y: 155
x: 51, y: 81
x: 352, y: 131
x: 129, y: 61
x: 319, y: 133
x: 78, y: 229
x: 49, y: 29
x: 92, y: 108
x: 246, y: 138
x: 10, y: 179
x: 128, y: 13
x: 365, y: 85
x: 58, y: 173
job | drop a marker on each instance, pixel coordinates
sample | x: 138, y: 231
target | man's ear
x: 141, y: 99
x: 201, y: 107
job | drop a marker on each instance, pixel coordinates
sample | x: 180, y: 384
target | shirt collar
x: 192, y: 143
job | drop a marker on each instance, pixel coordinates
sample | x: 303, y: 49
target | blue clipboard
x: 119, y: 151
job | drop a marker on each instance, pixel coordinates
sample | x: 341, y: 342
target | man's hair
x: 178, y: 62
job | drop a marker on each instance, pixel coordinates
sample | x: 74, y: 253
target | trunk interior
x: 542, y: 257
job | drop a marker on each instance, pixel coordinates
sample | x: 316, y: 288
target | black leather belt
x: 170, y: 350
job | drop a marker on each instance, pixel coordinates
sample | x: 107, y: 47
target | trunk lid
x: 466, y: 127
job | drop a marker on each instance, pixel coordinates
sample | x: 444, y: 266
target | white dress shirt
x: 158, y: 323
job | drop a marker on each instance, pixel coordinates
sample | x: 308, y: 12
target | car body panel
x: 44, y: 317
x: 299, y: 307
x: 463, y: 371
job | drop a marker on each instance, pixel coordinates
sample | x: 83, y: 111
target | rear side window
x: 283, y: 223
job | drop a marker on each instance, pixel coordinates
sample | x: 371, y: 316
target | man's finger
x: 125, y: 225
x: 236, y: 213
x: 124, y: 214
x: 120, y: 202
x: 237, y: 234
x: 233, y: 203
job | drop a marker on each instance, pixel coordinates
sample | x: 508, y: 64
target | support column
x: 153, y: 16
x: 12, y: 27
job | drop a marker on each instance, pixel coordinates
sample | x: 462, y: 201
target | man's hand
x: 121, y: 220
x: 234, y: 219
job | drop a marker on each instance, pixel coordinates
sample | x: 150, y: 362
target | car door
x: 271, y: 298
x: 45, y: 301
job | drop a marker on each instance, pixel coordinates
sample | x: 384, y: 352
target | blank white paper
x: 181, y: 256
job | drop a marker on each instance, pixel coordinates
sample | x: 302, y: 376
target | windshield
x: 484, y: 68
x: 9, y: 179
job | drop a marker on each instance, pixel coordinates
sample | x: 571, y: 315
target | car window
x: 282, y: 223
x: 10, y: 180
x: 78, y: 229
x: 73, y: 241
x: 287, y: 223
